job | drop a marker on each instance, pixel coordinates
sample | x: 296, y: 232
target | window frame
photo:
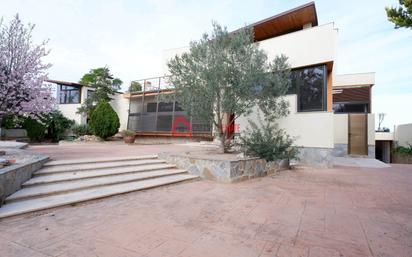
x: 61, y: 90
x: 324, y: 89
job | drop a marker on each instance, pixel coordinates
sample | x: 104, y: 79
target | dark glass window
x: 90, y: 93
x: 310, y: 86
x: 69, y: 94
x: 350, y: 108
x: 163, y: 107
x: 151, y: 107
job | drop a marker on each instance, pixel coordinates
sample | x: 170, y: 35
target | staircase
x: 71, y: 181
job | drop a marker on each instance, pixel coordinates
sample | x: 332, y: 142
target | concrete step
x: 94, y: 166
x: 35, y: 204
x: 78, y: 175
x: 98, y: 160
x: 64, y: 187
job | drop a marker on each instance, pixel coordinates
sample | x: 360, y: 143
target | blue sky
x: 129, y: 37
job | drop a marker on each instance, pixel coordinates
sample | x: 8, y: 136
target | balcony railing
x: 150, y: 112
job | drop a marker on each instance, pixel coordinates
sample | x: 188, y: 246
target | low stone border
x: 401, y: 158
x: 220, y: 169
x: 13, y: 176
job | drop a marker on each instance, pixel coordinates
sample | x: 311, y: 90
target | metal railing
x: 150, y: 112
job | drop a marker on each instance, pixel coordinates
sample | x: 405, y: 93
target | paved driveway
x: 307, y: 212
x: 109, y: 149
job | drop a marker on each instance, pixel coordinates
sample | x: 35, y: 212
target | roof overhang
x: 65, y: 83
x: 285, y: 22
x: 354, y: 80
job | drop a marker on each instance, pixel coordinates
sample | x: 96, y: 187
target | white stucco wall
x: 306, y: 47
x: 403, y: 134
x: 371, y: 129
x: 367, y: 78
x: 69, y: 111
x: 384, y: 136
x: 311, y: 129
x: 341, y: 130
x: 340, y: 125
x: 121, y: 107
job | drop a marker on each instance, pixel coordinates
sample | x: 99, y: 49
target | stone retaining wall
x: 222, y: 170
x: 317, y: 157
x: 401, y: 158
x: 12, y: 177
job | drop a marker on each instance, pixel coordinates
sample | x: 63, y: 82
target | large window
x: 310, y: 85
x: 69, y: 94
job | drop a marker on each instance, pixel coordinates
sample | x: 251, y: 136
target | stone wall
x: 341, y: 150
x: 12, y: 177
x: 401, y: 158
x: 222, y: 170
x: 316, y: 156
x: 13, y: 133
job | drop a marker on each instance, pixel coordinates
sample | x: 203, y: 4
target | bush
x: 11, y: 122
x: 81, y: 130
x: 267, y: 141
x: 36, y: 131
x: 128, y: 133
x: 403, y: 150
x: 56, y: 124
x: 104, y: 121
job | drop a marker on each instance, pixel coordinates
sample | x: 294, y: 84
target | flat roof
x: 354, y: 80
x: 285, y: 22
x: 66, y: 83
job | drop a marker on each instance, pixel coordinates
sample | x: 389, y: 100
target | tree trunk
x: 222, y: 143
x: 1, y: 130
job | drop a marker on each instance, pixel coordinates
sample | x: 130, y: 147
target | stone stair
x: 71, y: 181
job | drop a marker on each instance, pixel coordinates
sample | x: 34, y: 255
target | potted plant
x: 128, y: 136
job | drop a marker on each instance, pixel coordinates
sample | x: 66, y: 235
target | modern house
x: 330, y: 114
x: 70, y: 96
x: 386, y: 141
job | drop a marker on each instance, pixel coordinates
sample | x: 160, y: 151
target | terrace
x: 155, y: 111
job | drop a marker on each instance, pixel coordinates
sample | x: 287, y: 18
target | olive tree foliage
x: 225, y: 75
x: 22, y: 72
x: 401, y: 16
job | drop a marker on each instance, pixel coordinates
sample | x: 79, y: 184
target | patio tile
x: 305, y: 212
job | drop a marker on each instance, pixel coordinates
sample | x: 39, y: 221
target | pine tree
x: 402, y: 15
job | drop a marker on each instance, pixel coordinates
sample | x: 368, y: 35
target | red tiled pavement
x: 306, y: 212
x: 108, y: 149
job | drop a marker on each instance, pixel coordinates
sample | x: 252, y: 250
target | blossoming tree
x: 22, y: 72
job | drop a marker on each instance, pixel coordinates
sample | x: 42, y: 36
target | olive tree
x: 224, y: 75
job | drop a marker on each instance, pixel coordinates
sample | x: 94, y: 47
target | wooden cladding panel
x: 286, y: 22
x: 358, y: 94
x: 358, y: 134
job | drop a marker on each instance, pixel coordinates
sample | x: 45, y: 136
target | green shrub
x: 11, y: 122
x: 104, y: 121
x: 81, y: 130
x: 403, y: 150
x: 128, y: 133
x: 36, y: 131
x: 56, y: 125
x: 267, y: 141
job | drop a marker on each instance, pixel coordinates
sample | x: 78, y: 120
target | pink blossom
x: 22, y: 72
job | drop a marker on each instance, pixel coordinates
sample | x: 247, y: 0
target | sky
x: 129, y: 37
